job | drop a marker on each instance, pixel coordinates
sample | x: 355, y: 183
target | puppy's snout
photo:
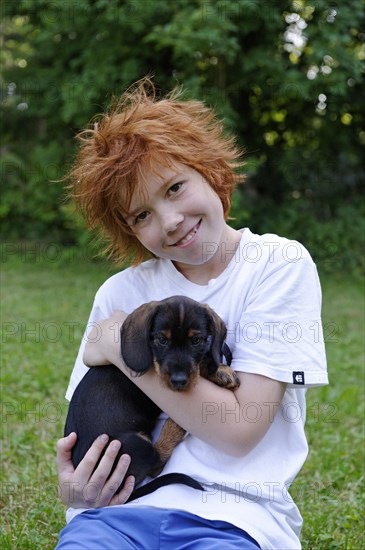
x: 179, y: 380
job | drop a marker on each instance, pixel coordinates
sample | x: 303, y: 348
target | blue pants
x: 148, y: 528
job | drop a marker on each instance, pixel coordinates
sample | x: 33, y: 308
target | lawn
x: 45, y: 304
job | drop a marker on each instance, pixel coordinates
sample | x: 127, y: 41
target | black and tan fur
x: 182, y: 340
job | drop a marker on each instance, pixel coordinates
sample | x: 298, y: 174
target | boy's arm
x: 216, y: 415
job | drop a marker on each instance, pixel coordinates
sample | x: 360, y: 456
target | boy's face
x: 179, y: 217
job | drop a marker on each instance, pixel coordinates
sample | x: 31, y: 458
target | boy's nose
x: 171, y: 220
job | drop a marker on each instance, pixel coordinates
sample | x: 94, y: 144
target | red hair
x: 139, y: 133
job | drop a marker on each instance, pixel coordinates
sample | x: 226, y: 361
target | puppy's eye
x: 162, y: 340
x: 196, y: 340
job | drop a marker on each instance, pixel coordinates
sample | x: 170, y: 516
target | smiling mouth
x: 189, y: 236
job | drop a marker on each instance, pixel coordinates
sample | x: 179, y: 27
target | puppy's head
x: 178, y: 336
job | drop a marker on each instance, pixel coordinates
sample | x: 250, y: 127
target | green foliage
x: 285, y: 77
x: 31, y: 198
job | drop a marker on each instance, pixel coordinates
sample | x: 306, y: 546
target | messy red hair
x: 139, y: 133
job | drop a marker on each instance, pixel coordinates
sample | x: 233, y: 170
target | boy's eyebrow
x: 131, y: 213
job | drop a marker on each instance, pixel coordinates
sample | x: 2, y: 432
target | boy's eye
x: 141, y: 217
x: 176, y: 187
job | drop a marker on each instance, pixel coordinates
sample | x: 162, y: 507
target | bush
x: 336, y: 244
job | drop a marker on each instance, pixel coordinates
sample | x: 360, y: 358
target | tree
x: 285, y: 76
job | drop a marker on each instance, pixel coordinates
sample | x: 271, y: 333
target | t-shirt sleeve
x: 280, y: 332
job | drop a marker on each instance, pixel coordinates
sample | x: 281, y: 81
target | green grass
x: 45, y: 305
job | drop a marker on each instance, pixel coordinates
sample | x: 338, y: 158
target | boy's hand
x: 103, y: 341
x: 86, y: 488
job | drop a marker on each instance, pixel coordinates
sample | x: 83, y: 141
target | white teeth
x: 188, y: 237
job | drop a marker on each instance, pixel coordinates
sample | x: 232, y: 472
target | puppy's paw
x: 226, y: 378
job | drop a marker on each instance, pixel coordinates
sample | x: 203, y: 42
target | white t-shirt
x: 270, y: 299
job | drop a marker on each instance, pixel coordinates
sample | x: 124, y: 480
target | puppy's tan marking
x: 156, y: 366
x: 171, y: 435
x: 193, y: 332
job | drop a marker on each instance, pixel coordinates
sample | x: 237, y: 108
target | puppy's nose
x: 179, y: 380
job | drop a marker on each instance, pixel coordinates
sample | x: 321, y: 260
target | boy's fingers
x: 100, y: 489
x: 65, y: 444
x: 64, y: 447
x: 125, y: 493
x: 112, y: 485
x: 104, y: 468
x: 87, y: 465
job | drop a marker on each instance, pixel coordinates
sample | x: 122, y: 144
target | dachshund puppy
x: 182, y: 340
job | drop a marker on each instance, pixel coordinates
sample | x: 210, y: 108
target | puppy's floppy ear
x: 135, y: 338
x: 218, y: 331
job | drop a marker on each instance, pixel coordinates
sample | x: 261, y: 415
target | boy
x: 157, y: 176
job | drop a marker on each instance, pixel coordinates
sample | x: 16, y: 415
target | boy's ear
x: 135, y: 338
x: 218, y: 333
